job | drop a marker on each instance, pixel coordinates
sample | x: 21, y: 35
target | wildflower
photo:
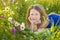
x: 7, y: 8
x: 2, y: 16
x: 13, y: 30
x: 10, y: 19
x: 12, y: 0
x: 22, y: 26
x: 16, y: 23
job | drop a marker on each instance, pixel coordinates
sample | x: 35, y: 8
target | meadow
x: 17, y: 9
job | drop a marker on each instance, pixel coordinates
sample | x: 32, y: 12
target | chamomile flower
x: 10, y: 19
x: 22, y: 26
x: 7, y: 8
x: 16, y: 24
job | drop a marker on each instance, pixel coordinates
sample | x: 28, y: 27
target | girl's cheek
x: 38, y: 18
x: 31, y: 17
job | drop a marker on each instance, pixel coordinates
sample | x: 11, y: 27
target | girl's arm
x: 33, y: 27
x: 44, y: 24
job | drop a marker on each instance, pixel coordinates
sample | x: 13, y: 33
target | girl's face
x: 34, y: 15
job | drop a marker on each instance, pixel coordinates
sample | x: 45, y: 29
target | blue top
x: 53, y: 18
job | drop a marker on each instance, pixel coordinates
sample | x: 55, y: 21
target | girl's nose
x: 34, y: 17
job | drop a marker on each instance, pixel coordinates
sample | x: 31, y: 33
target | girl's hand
x: 31, y: 21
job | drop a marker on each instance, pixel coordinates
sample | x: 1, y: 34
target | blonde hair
x: 40, y: 9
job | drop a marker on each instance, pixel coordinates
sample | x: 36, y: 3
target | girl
x: 37, y: 18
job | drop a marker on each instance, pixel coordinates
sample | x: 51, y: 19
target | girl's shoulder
x: 53, y: 15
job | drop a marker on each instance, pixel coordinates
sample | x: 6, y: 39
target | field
x: 17, y: 9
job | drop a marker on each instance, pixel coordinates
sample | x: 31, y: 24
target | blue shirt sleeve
x: 53, y: 18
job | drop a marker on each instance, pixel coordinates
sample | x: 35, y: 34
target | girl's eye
x: 31, y: 14
x: 36, y: 14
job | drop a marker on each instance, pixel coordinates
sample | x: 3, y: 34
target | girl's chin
x: 35, y: 23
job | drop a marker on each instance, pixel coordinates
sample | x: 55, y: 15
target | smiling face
x: 34, y: 15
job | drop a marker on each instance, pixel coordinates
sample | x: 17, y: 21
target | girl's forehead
x: 34, y: 10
